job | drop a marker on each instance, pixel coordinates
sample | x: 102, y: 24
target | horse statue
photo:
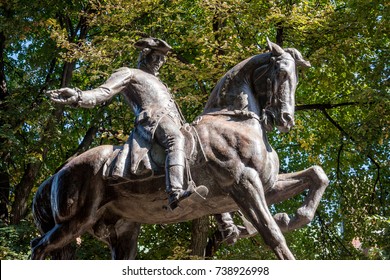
x: 228, y: 152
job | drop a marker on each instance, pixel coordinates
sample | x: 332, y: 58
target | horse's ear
x: 274, y: 48
x: 298, y: 57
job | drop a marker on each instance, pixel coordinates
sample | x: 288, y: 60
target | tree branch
x: 373, y: 161
x: 199, y: 236
x: 324, y: 106
x: 183, y: 60
x: 3, y: 83
x: 83, y: 146
x: 337, y: 125
x: 338, y: 171
x: 23, y: 189
x: 331, y: 234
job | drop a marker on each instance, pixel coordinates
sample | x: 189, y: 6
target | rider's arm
x: 114, y: 85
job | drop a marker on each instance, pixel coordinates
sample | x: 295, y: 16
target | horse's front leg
x: 292, y: 184
x: 248, y: 193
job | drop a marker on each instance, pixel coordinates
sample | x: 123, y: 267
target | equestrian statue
x: 170, y: 171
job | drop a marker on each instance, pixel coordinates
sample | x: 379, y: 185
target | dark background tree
x: 342, y: 105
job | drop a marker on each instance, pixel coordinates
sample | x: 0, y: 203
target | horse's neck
x: 234, y: 91
x: 232, y: 95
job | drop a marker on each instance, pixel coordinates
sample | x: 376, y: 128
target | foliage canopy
x: 342, y: 103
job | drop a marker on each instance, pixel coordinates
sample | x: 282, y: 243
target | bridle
x: 248, y: 114
x: 270, y: 93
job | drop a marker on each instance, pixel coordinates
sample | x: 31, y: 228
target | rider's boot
x: 174, y: 174
x: 174, y: 184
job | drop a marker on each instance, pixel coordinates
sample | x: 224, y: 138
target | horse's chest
x: 237, y: 147
x: 268, y: 174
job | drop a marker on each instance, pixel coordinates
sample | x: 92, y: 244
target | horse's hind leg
x: 59, y: 236
x: 121, y: 235
x: 249, y: 196
x: 73, y: 215
x: 125, y: 247
x: 292, y: 184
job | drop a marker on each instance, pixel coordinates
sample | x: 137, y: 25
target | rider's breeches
x: 169, y: 136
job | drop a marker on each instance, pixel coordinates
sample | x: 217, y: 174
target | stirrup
x: 188, y: 198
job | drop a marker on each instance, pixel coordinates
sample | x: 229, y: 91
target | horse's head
x: 275, y: 84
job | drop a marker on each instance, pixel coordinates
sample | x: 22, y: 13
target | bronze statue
x: 228, y: 151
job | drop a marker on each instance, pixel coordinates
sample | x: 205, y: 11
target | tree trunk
x: 200, y: 228
x: 23, y: 189
x: 83, y: 146
x: 4, y: 195
x: 279, y: 34
x: 22, y: 192
x: 4, y: 176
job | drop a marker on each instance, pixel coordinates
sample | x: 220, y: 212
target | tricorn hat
x: 154, y: 44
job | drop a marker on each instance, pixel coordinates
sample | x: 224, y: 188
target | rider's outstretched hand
x: 66, y: 96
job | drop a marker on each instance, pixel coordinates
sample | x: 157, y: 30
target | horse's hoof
x: 231, y: 235
x: 246, y: 232
x: 283, y: 220
x: 304, y: 214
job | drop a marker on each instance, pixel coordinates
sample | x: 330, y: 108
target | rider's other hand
x: 64, y: 96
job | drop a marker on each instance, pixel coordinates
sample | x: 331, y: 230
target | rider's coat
x: 150, y: 100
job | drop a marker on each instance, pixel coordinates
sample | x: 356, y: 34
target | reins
x: 233, y: 113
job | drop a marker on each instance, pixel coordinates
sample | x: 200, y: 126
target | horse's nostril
x: 288, y: 118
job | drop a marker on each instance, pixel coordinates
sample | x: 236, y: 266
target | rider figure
x: 154, y: 108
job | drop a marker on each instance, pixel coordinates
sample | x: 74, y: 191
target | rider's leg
x: 169, y: 136
x: 174, y: 178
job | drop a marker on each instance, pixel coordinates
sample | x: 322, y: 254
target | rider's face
x: 154, y: 61
x: 157, y: 59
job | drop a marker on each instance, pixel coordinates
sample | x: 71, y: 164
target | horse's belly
x: 152, y: 209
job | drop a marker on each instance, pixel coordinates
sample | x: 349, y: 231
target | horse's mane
x: 234, y: 81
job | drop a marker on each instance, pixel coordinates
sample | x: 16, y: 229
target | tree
x: 340, y: 102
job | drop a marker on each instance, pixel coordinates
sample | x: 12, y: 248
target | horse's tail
x: 44, y: 220
x: 41, y: 207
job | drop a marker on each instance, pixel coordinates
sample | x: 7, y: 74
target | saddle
x: 141, y: 158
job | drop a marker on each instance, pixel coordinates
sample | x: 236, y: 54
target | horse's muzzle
x: 287, y: 122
